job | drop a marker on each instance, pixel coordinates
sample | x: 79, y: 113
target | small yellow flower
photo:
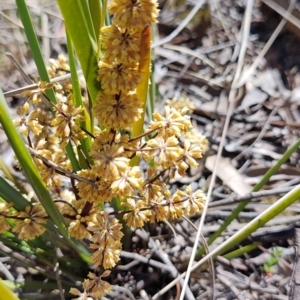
x: 77, y: 229
x: 195, y: 137
x: 49, y: 174
x: 58, y: 66
x: 22, y: 123
x: 194, y: 201
x: 67, y: 121
x: 137, y: 216
x: 191, y: 151
x: 109, y: 163
x: 181, y: 103
x: 102, y: 138
x: 79, y: 223
x: 120, y: 44
x: 29, y: 222
x: 153, y: 186
x: 34, y: 96
x: 180, y: 167
x: 133, y: 13
x: 95, y: 286
x: 106, y: 230
x: 35, y: 126
x: 118, y: 77
x: 175, y: 208
x: 4, y: 210
x: 106, y: 137
x: 81, y: 295
x: 167, y: 152
x: 159, y: 209
x: 98, y: 192
x: 4, y: 225
x: 118, y: 112
x: 106, y: 255
x: 23, y: 110
x: 128, y: 183
x: 172, y: 122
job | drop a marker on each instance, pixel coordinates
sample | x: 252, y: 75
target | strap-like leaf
x: 82, y: 35
x: 34, y: 46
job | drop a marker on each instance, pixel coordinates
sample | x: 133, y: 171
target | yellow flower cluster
x: 118, y: 106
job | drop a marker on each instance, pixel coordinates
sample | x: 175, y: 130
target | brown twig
x: 59, y: 169
x: 252, y: 195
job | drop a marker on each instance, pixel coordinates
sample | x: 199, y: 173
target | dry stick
x: 211, y: 261
x: 232, y: 99
x: 244, y: 282
x: 146, y: 260
x: 125, y: 291
x: 58, y: 168
x: 236, y: 265
x: 35, y: 85
x: 20, y: 69
x: 164, y: 257
x: 211, y: 81
x: 182, y: 25
x: 281, y: 11
x: 286, y: 16
x: 57, y: 273
x: 194, y: 54
x: 51, y: 36
x: 260, y: 136
x: 228, y: 44
x: 6, y: 272
x: 248, y: 196
x: 230, y: 285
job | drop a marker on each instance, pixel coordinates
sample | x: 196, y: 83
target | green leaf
x: 72, y: 157
x: 259, y: 221
x: 10, y: 194
x: 85, y: 143
x: 253, y: 225
x: 95, y: 9
x: 78, y: 24
x: 10, y: 177
x: 256, y: 188
x: 241, y: 251
x: 34, y: 46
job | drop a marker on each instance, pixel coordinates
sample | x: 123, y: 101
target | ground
x: 259, y: 96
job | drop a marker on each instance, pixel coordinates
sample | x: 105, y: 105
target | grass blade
x: 81, y: 39
x: 10, y: 177
x: 10, y: 194
x: 85, y: 143
x: 256, y: 188
x: 271, y: 212
x: 34, y: 46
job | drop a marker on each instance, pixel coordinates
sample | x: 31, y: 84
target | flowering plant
x: 87, y: 153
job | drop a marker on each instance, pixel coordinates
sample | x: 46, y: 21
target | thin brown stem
x: 59, y: 169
